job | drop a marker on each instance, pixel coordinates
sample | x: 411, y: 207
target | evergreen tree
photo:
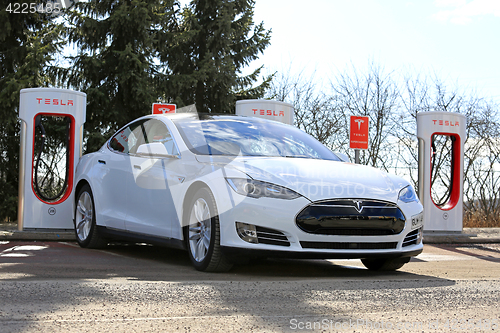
x: 212, y: 42
x: 115, y: 62
x: 28, y: 43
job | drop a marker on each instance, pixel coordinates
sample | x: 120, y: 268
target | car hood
x: 322, y: 179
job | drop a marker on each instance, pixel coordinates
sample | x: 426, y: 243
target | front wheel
x: 203, y: 234
x: 86, y: 231
x: 385, y: 264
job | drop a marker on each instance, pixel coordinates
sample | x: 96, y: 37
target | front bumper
x: 280, y: 215
x: 238, y: 252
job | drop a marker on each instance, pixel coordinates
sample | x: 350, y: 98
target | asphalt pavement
x: 9, y: 231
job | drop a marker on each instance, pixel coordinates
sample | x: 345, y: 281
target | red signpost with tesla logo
x: 358, y: 135
x: 161, y: 108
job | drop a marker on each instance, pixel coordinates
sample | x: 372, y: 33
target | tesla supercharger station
x: 49, y: 118
x: 434, y: 128
x: 267, y: 109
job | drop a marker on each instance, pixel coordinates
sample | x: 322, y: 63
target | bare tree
x: 314, y: 111
x: 374, y: 94
x: 482, y: 172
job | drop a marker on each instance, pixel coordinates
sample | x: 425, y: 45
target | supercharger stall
x: 267, y: 109
x: 433, y: 129
x: 46, y: 112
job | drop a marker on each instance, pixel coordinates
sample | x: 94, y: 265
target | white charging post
x: 446, y: 215
x: 267, y: 109
x: 35, y: 212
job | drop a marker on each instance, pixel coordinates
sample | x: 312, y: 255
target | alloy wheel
x: 199, y: 230
x: 84, y: 216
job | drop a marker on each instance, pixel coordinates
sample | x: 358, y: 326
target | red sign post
x: 161, y: 108
x: 358, y: 135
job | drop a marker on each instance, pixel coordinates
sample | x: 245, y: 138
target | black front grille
x: 271, y: 236
x: 411, y: 238
x: 351, y: 217
x: 349, y: 246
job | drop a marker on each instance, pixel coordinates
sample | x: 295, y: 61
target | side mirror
x: 343, y: 157
x: 154, y: 150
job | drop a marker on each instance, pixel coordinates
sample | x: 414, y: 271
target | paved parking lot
x: 57, y: 286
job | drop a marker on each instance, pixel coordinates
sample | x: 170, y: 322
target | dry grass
x: 480, y: 219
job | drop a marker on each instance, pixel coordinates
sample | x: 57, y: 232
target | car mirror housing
x: 343, y: 157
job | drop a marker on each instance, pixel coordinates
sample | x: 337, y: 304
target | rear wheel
x: 385, y: 264
x: 203, y: 234
x: 86, y: 231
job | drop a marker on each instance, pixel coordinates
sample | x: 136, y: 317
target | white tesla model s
x: 229, y: 187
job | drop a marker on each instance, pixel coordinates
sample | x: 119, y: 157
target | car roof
x: 219, y: 116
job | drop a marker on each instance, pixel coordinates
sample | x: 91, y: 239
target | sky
x: 456, y: 39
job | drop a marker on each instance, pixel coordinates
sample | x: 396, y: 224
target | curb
x: 459, y: 239
x: 16, y: 235
x: 468, y: 235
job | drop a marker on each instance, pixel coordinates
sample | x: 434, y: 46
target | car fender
x: 86, y: 173
x: 214, y: 180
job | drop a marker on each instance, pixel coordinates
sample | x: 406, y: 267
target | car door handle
x: 138, y: 167
x: 101, y: 161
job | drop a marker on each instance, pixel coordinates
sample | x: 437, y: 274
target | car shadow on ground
x: 153, y: 263
x: 262, y: 268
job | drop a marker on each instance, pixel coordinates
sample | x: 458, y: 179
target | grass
x: 480, y: 219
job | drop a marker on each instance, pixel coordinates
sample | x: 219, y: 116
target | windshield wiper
x: 298, y: 156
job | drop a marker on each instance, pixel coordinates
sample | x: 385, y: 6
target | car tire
x: 86, y: 232
x: 385, y: 264
x: 202, y: 234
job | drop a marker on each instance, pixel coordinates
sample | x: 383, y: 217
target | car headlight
x: 408, y: 194
x: 257, y: 189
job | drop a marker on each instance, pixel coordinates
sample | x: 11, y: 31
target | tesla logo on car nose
x: 358, y: 207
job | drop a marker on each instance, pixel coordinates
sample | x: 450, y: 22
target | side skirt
x: 120, y: 235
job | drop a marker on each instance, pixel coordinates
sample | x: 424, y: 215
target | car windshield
x: 230, y: 135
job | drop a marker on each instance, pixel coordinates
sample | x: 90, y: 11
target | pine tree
x: 115, y: 62
x: 211, y: 44
x: 28, y: 45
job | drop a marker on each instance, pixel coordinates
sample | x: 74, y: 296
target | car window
x: 128, y: 139
x: 156, y: 131
x: 295, y: 146
x: 249, y: 137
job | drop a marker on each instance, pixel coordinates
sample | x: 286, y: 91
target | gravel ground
x: 260, y: 306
